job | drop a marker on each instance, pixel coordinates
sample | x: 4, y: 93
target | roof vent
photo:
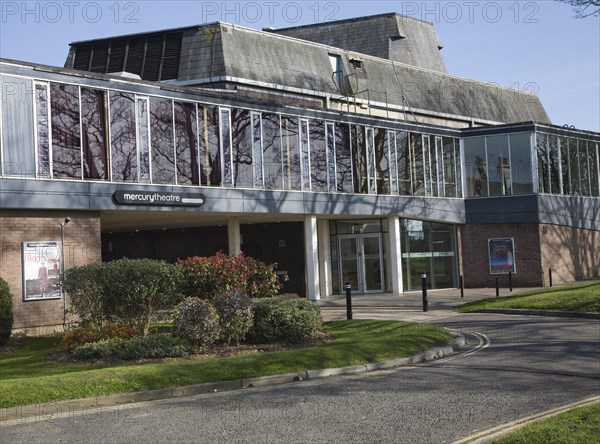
x: 268, y: 29
x: 357, y: 63
x: 127, y: 75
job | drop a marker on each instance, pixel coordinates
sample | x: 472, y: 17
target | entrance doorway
x: 361, y: 262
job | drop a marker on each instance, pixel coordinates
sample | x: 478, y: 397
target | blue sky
x: 533, y: 46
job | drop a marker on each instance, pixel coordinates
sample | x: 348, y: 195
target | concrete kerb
x: 546, y: 313
x: 53, y: 410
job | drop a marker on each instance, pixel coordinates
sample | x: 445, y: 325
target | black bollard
x: 462, y: 286
x: 497, y: 288
x: 348, y: 287
x: 510, y: 281
x: 424, y: 285
x: 550, y: 276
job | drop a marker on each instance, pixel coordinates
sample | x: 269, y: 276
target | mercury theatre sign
x: 160, y: 199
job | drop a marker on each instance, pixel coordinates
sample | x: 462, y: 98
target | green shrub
x: 209, y: 276
x: 156, y: 346
x: 288, y: 319
x: 235, y: 315
x: 136, y: 289
x: 197, y: 322
x: 125, y: 291
x: 84, y: 286
x: 80, y: 336
x: 6, y: 312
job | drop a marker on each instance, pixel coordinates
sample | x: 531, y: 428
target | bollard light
x: 348, y: 288
x: 424, y: 287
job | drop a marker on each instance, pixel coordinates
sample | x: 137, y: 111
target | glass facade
x: 430, y: 248
x: 67, y: 131
x: 567, y: 165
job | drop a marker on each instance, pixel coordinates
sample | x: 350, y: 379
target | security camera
x: 67, y: 220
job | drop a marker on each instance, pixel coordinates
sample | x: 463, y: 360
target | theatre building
x: 342, y: 151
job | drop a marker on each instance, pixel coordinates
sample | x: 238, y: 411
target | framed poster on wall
x: 41, y: 270
x: 501, y: 253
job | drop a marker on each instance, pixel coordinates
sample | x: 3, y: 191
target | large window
x: 499, y: 172
x: 428, y: 248
x: 521, y: 163
x: 161, y: 137
x: 17, y: 126
x: 242, y: 138
x: 66, y: 131
x: 124, y: 159
x: 359, y: 159
x: 343, y: 158
x: 404, y: 164
x: 382, y: 161
x: 42, y: 118
x: 318, y: 157
x: 94, y: 134
x: 208, y: 147
x: 272, y: 151
x: 475, y: 167
x: 186, y: 138
x: 291, y: 153
x: 143, y: 139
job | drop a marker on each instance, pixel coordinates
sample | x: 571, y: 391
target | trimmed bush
x: 134, y: 348
x: 197, y: 322
x: 235, y: 315
x: 126, y: 291
x: 6, y: 312
x: 288, y: 319
x: 80, y: 336
x: 209, y: 276
x: 84, y: 285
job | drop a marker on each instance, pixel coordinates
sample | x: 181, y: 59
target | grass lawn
x: 29, y: 376
x: 577, y: 297
x: 577, y: 426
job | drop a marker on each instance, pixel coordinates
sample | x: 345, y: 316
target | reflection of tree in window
x: 93, y: 121
x: 449, y: 167
x: 210, y: 157
x: 185, y: 143
x: 416, y: 159
x: 143, y: 128
x: 343, y: 158
x: 43, y: 136
x: 257, y: 149
x: 382, y: 161
x: 403, y: 157
x: 66, y: 141
x: 554, y: 156
x: 161, y: 136
x: 330, y: 150
x: 291, y: 153
x: 318, y: 159
x: 122, y: 137
x: 272, y: 151
x: 241, y: 134
x: 359, y: 158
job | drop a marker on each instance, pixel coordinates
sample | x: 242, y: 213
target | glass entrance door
x: 361, y: 262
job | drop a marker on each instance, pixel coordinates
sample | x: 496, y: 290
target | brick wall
x: 82, y: 246
x: 572, y: 253
x: 475, y: 261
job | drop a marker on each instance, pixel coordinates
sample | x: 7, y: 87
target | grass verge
x: 29, y: 375
x: 578, y: 297
x: 577, y: 426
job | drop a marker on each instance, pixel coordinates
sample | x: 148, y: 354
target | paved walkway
x: 407, y: 306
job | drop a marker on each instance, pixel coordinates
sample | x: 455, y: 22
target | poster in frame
x: 501, y: 253
x: 41, y: 270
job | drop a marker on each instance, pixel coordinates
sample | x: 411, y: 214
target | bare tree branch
x: 584, y: 8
